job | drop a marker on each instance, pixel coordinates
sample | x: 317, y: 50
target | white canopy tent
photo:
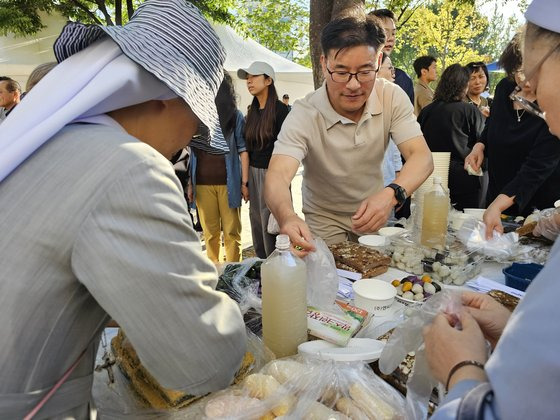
x: 20, y: 55
x: 291, y: 78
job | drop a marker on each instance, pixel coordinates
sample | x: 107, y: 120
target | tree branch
x: 83, y: 7
x: 103, y: 9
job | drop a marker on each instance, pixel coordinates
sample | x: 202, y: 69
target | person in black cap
x: 94, y: 221
x: 286, y: 100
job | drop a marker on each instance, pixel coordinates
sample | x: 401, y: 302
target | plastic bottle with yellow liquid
x: 434, y: 216
x: 284, y: 300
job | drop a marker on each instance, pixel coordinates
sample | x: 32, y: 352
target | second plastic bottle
x: 284, y: 300
x: 434, y: 216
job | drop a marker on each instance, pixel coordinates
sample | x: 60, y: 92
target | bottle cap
x: 282, y: 241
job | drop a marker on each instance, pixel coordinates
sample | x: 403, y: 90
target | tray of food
x: 351, y: 256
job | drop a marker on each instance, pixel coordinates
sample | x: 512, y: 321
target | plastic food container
x: 519, y: 276
x: 358, y: 349
x: 373, y: 295
x: 454, y: 265
x: 376, y: 242
x: 391, y: 231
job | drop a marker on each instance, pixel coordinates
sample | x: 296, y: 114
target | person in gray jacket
x: 94, y: 222
x: 519, y: 380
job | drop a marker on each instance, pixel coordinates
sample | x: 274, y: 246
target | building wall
x: 20, y: 55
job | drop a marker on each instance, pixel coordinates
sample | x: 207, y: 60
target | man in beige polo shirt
x: 340, y: 133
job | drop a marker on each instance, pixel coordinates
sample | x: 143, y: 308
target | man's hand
x: 245, y: 192
x: 475, y: 157
x: 490, y: 315
x: 447, y: 346
x: 299, y: 233
x: 374, y: 211
x: 492, y: 220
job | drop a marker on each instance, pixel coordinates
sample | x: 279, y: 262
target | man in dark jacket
x: 387, y: 20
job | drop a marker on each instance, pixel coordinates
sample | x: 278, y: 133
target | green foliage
x: 279, y: 25
x: 22, y: 17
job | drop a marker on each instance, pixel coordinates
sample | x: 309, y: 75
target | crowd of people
x: 96, y: 224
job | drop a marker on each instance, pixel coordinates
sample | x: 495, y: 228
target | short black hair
x: 11, y: 85
x: 383, y: 14
x: 423, y: 62
x: 453, y: 84
x: 285, y: 96
x: 475, y: 66
x: 352, y: 31
x: 511, y: 59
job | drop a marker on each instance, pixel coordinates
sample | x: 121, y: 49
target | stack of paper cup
x: 441, y: 169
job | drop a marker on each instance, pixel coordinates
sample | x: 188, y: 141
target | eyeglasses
x: 527, y: 105
x: 345, y: 76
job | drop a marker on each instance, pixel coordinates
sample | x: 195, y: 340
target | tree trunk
x: 118, y: 12
x: 321, y: 12
x: 129, y: 8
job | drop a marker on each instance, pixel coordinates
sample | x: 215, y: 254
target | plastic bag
x: 322, y: 277
x: 272, y: 227
x: 307, y: 388
x: 119, y: 400
x: 241, y: 282
x: 500, y: 246
x: 406, y: 338
x: 548, y: 224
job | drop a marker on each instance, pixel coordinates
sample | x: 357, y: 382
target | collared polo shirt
x: 423, y: 96
x: 342, y: 159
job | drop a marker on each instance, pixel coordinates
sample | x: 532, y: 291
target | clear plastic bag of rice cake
x: 306, y: 388
x: 408, y: 338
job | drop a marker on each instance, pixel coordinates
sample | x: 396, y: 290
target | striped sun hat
x: 174, y: 42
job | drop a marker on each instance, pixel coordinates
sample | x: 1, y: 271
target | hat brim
x: 154, y: 57
x: 242, y: 74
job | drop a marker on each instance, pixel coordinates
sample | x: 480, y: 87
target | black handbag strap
x: 472, y: 405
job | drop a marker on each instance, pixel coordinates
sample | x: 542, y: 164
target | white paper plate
x: 358, y: 349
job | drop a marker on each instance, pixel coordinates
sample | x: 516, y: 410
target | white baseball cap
x: 255, y: 69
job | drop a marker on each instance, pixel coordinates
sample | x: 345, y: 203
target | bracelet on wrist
x: 245, y: 184
x: 458, y: 366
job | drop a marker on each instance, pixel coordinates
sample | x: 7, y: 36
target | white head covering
x: 94, y: 81
x: 167, y: 50
x: 544, y: 13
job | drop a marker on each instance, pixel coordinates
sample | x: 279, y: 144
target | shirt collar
x: 322, y: 103
x: 424, y: 85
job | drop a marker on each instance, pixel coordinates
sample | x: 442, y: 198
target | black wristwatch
x: 245, y: 184
x: 400, y: 193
